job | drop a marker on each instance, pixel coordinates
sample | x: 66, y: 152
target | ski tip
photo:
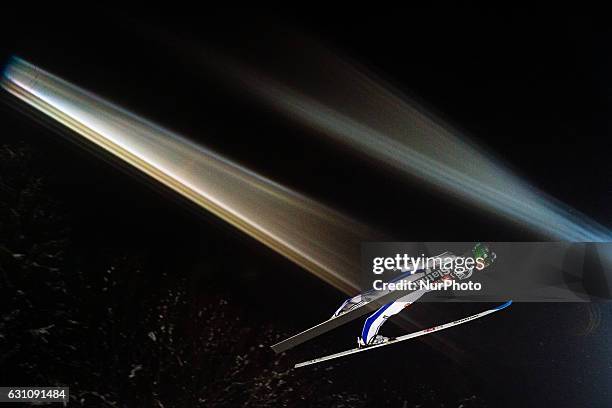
x: 305, y: 363
x: 504, y: 305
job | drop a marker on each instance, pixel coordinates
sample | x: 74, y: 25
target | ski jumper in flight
x: 369, y: 334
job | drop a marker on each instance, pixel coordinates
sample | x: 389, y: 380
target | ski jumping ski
x: 350, y: 310
x: 390, y: 341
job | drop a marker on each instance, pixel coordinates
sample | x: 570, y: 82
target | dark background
x: 531, y: 85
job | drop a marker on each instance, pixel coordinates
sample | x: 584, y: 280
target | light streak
x: 312, y: 235
x: 367, y: 115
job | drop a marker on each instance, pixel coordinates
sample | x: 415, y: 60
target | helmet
x: 483, y: 252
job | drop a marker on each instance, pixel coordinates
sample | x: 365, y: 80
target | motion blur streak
x: 313, y: 236
x: 373, y: 118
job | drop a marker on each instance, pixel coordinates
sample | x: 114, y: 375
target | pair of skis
x: 407, y: 336
x: 339, y: 320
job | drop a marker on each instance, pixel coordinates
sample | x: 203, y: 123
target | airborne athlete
x: 369, y: 334
x: 394, y: 303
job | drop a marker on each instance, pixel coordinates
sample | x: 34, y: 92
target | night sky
x: 532, y: 87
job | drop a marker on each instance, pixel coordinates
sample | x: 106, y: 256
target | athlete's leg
x: 374, y: 322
